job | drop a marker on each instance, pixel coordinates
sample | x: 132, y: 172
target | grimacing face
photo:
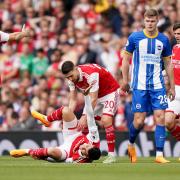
x: 150, y: 23
x: 84, y: 148
x: 73, y: 75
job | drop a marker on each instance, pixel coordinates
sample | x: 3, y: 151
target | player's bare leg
x: 40, y: 153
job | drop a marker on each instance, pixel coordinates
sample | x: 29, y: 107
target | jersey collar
x: 149, y: 36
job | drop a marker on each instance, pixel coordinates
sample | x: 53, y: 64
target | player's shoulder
x: 84, y: 66
x: 176, y: 46
x: 162, y: 37
x: 89, y: 67
x: 136, y: 34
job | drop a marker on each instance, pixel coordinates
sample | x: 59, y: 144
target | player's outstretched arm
x: 19, y: 35
x: 93, y: 130
x: 125, y: 71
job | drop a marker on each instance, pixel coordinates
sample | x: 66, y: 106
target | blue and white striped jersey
x: 147, y: 59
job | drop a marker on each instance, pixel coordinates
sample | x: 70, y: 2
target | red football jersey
x: 74, y: 154
x: 98, y: 77
x: 176, y: 63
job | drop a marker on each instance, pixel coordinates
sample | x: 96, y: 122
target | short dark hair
x: 94, y: 153
x: 40, y: 50
x: 176, y: 26
x: 151, y: 13
x: 67, y: 66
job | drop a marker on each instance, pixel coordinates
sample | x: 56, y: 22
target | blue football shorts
x: 149, y: 100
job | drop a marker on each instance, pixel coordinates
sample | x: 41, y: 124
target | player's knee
x: 139, y: 122
x: 107, y: 121
x: 54, y: 153
x: 67, y: 114
x: 66, y: 110
x: 169, y: 123
x: 159, y: 118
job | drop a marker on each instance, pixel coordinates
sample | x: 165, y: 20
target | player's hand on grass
x: 82, y: 123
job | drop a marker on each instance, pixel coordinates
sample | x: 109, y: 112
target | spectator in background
x: 39, y: 64
x: 26, y: 60
x: 109, y: 57
x: 86, y: 56
x: 10, y: 64
x: 23, y: 121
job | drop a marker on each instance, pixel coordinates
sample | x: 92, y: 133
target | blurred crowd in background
x: 83, y: 31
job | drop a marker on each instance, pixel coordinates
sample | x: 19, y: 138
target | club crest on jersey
x: 138, y: 106
x: 159, y: 47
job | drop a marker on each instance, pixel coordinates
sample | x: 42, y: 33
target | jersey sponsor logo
x: 150, y: 58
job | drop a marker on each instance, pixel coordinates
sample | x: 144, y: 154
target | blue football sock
x: 133, y: 132
x: 160, y: 135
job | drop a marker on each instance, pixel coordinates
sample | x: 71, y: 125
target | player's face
x: 150, y: 23
x: 177, y: 35
x: 73, y: 75
x: 84, y: 148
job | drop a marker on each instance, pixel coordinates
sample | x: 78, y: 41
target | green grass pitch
x: 26, y: 168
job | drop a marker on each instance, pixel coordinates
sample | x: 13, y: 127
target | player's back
x: 107, y: 83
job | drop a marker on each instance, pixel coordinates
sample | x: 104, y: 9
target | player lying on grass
x: 76, y: 147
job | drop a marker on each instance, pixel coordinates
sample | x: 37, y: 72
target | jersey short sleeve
x: 4, y: 37
x: 167, y: 48
x: 94, y: 81
x: 130, y: 45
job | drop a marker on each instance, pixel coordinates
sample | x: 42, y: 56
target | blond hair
x: 151, y: 13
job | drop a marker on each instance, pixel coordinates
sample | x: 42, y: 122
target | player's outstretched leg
x: 46, y: 120
x: 39, y: 153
